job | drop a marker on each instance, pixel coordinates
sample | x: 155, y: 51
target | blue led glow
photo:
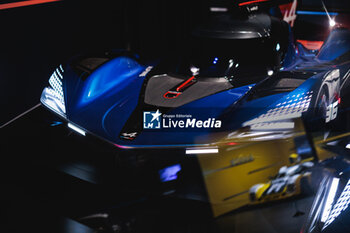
x: 55, y: 123
x: 316, y: 13
x: 169, y: 173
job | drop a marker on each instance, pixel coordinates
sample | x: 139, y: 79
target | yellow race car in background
x: 289, y: 181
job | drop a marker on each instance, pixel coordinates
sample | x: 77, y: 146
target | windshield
x: 212, y: 57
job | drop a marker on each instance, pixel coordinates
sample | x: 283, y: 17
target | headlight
x: 52, y: 96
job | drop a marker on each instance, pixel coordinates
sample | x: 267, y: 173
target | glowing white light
x: 59, y: 73
x: 288, y: 108
x: 76, y: 129
x: 330, y: 198
x: 341, y: 205
x: 231, y: 63
x: 49, y: 99
x: 278, y: 47
x: 218, y: 9
x: 273, y: 126
x: 194, y: 70
x: 270, y: 72
x: 53, y: 96
x: 191, y: 151
x: 348, y: 146
x: 332, y: 22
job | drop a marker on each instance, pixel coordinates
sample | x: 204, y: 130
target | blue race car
x: 234, y: 72
x: 241, y: 69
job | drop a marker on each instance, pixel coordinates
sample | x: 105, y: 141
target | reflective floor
x: 52, y: 180
x: 51, y: 176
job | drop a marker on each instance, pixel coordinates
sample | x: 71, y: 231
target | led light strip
x: 218, y: 9
x: 341, y: 205
x: 55, y: 82
x: 76, y: 129
x: 330, y: 199
x: 322, y: 13
x: 273, y: 126
x: 290, y: 107
x: 191, y: 151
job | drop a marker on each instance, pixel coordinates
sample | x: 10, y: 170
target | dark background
x: 41, y: 167
x: 35, y: 39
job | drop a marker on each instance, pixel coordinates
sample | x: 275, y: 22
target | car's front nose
x: 53, y: 96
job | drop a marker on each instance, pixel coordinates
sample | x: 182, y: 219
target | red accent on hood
x: 185, y: 84
x: 251, y: 2
x: 179, y: 89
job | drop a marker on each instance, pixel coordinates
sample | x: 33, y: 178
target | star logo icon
x: 151, y: 120
x: 156, y: 115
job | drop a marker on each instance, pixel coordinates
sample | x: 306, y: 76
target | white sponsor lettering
x: 332, y: 112
x: 290, y: 15
x: 146, y: 71
x: 191, y: 123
